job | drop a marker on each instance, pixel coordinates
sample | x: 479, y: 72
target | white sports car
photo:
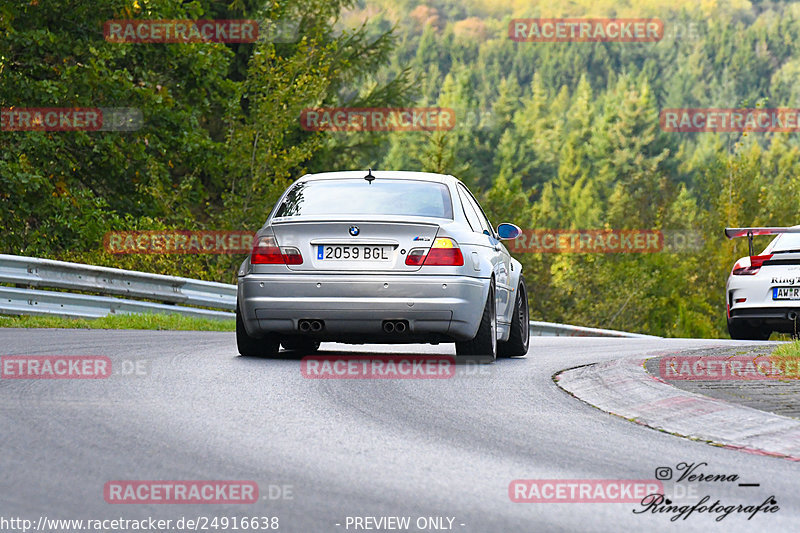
x: 763, y: 291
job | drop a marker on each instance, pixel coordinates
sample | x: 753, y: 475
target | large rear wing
x: 733, y: 233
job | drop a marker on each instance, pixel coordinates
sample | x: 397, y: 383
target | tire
x: 251, y: 346
x: 483, y: 347
x: 745, y: 332
x: 517, y: 343
x: 300, y: 345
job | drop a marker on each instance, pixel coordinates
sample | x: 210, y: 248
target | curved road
x: 358, y: 448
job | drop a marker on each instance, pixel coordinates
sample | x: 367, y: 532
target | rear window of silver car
x: 359, y: 197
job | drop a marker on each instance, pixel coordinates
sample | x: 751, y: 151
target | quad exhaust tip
x: 313, y: 326
x: 395, y: 326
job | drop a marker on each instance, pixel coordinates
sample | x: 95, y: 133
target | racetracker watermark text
x: 378, y: 119
x: 730, y: 120
x: 582, y: 490
x: 606, y: 241
x: 70, y: 119
x: 181, y: 31
x: 718, y: 368
x: 378, y: 367
x: 55, y: 367
x: 176, y: 492
x: 178, y: 242
x: 582, y: 30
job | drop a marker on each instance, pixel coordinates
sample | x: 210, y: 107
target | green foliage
x: 152, y: 321
x: 548, y: 135
x: 566, y: 135
x: 221, y: 136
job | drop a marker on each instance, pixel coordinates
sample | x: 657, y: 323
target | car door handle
x: 496, y: 247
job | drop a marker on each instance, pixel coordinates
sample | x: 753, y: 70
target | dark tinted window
x: 359, y: 197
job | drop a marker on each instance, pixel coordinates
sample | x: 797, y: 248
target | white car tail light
x: 741, y: 268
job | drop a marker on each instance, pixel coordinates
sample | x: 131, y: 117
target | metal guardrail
x: 35, y: 302
x: 34, y: 272
x: 550, y: 329
x: 26, y: 272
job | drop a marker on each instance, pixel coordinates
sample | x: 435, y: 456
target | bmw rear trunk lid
x: 356, y: 245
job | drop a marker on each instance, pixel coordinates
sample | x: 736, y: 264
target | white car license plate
x: 786, y: 293
x: 336, y: 252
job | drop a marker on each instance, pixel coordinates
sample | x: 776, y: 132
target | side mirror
x: 507, y: 232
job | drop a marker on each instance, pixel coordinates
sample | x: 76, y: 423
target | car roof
x: 381, y: 175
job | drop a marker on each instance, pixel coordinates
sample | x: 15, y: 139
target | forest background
x: 548, y: 135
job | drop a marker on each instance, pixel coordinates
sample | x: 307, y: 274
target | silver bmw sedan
x: 381, y: 257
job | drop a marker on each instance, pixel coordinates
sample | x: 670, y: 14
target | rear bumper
x: 760, y: 310
x: 776, y: 318
x: 354, y: 307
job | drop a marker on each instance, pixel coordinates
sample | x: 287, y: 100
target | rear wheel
x: 300, y: 345
x: 251, y: 346
x: 743, y: 331
x: 517, y: 344
x: 483, y: 347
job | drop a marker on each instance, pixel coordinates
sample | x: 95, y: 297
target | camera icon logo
x: 663, y: 473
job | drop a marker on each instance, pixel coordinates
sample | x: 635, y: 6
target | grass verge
x: 787, y: 357
x: 153, y: 321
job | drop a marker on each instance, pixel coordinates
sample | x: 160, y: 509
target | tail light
x: 267, y: 252
x: 756, y: 261
x: 291, y: 255
x: 416, y: 257
x: 443, y: 252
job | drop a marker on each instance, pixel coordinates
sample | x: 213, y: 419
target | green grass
x: 788, y: 356
x: 138, y: 321
x: 790, y: 350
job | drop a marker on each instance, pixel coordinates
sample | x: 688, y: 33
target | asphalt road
x: 348, y: 448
